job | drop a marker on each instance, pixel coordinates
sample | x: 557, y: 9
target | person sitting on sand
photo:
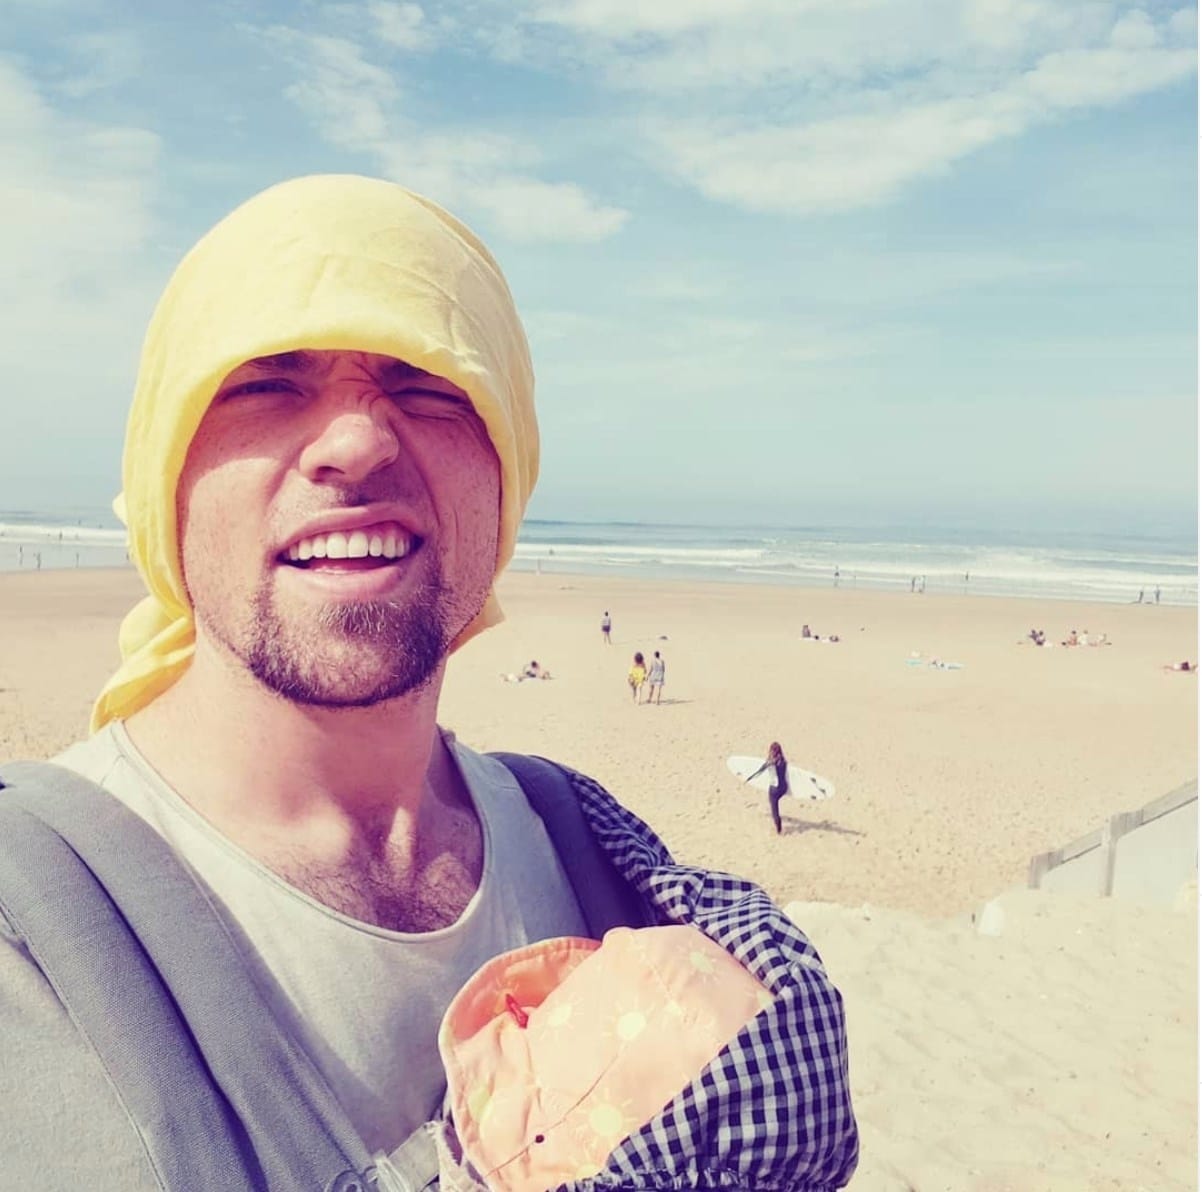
x: 780, y: 788
x: 534, y: 671
x: 1071, y: 640
x: 805, y: 631
x: 655, y: 678
x: 637, y: 675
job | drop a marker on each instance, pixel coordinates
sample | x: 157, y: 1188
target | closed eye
x: 250, y: 388
x: 430, y: 403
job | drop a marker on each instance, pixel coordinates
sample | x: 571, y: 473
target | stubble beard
x: 347, y: 655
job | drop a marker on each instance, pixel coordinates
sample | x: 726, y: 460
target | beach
x: 1058, y: 1054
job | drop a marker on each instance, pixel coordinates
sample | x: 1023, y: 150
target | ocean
x: 1116, y: 568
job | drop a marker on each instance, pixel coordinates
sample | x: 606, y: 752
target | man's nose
x: 354, y: 435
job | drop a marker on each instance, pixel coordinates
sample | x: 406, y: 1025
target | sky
x: 780, y: 261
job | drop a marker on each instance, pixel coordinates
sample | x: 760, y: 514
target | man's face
x: 338, y: 517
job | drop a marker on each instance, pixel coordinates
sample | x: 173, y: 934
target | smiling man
x: 330, y: 448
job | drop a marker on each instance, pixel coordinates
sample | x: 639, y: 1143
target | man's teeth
x: 377, y: 542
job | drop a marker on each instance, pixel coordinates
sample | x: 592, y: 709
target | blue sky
x: 779, y: 261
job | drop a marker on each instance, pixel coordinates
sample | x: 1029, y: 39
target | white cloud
x: 1183, y: 25
x: 867, y: 158
x: 400, y: 25
x: 75, y: 197
x: 1094, y: 78
x: 77, y: 223
x: 825, y: 105
x: 346, y: 97
x: 104, y: 61
x: 621, y: 20
x: 359, y: 106
x: 830, y: 165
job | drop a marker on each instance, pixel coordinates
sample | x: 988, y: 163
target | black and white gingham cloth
x: 772, y: 1112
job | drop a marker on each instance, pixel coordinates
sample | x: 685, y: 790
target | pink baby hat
x: 556, y: 1052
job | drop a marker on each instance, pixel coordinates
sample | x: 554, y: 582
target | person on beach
x: 330, y: 448
x: 780, y: 787
x: 655, y: 678
x: 637, y: 675
x: 606, y: 624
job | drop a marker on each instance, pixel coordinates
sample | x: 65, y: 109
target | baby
x: 558, y: 1051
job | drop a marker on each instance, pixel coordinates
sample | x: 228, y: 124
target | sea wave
x: 32, y: 532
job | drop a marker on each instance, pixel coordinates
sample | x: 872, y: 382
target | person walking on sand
x: 655, y: 678
x: 780, y: 788
x: 605, y: 627
x: 637, y: 675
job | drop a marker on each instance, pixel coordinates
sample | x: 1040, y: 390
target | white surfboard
x: 802, y: 783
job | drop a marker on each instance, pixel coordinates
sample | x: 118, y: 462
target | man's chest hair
x: 431, y: 898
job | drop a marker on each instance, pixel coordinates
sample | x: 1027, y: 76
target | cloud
x: 400, y: 25
x: 623, y: 20
x: 826, y: 106
x: 104, y: 61
x: 359, y: 106
x: 346, y: 97
x: 76, y: 196
x: 77, y: 230
x: 867, y: 158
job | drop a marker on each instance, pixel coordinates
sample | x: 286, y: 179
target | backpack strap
x: 606, y: 898
x: 147, y: 970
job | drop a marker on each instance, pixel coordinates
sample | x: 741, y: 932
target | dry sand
x: 1060, y: 1055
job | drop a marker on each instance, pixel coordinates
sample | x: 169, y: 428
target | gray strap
x: 126, y: 935
x: 606, y: 899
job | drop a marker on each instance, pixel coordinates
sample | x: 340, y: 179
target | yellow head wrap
x: 326, y: 262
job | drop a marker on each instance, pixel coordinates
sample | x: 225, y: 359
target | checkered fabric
x: 772, y: 1112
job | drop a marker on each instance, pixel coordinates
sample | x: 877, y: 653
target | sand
x: 1061, y: 1054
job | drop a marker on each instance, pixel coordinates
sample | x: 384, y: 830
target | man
x: 330, y: 448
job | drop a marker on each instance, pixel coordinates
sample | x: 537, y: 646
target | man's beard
x: 347, y: 655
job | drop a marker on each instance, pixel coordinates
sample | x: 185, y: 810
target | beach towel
x: 324, y: 262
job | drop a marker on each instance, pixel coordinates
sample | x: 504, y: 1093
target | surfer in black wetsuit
x: 780, y: 788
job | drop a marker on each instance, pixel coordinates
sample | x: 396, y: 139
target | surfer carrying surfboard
x: 777, y: 791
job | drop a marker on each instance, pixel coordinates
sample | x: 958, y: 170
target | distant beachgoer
x: 1141, y: 597
x: 655, y: 678
x: 836, y: 575
x: 534, y: 671
x: 636, y: 676
x: 1181, y: 666
x: 605, y: 626
x: 913, y: 581
x: 1156, y: 594
x: 777, y: 791
x: 805, y: 631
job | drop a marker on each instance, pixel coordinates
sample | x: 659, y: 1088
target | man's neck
x: 363, y: 808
